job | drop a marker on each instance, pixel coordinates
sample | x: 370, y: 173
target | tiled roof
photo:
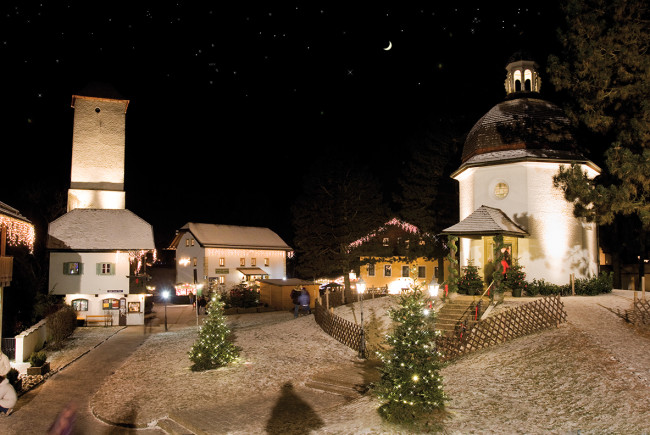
x: 100, y: 229
x: 486, y: 221
x: 521, y: 123
x: 233, y: 236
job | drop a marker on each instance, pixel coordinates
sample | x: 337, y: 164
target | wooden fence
x: 338, y: 328
x: 515, y: 322
x: 640, y: 313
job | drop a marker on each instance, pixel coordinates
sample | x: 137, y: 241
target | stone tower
x: 98, y: 143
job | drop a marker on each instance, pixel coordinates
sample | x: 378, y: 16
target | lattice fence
x: 340, y: 329
x: 515, y: 322
x: 640, y: 314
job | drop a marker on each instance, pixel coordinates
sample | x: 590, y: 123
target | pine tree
x: 214, y: 347
x: 411, y: 385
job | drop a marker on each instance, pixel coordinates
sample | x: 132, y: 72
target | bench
x: 105, y: 319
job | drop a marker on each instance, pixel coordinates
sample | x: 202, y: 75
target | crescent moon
x: 390, y: 45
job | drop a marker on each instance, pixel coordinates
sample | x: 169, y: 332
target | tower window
x: 501, y: 190
x: 528, y: 77
x: 517, y: 81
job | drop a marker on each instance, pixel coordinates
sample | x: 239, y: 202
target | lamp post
x: 361, y: 288
x: 165, y: 295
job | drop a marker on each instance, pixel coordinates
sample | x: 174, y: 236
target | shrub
x: 585, y: 286
x: 37, y: 359
x: 242, y: 296
x: 470, y: 283
x: 516, y: 279
x: 60, y: 325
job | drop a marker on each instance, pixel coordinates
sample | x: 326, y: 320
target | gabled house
x: 398, y: 254
x: 222, y: 256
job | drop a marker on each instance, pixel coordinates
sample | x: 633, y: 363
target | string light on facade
x: 19, y: 232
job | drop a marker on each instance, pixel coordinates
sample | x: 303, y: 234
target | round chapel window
x: 501, y: 190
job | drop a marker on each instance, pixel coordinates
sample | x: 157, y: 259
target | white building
x: 508, y: 163
x: 221, y: 256
x: 97, y: 249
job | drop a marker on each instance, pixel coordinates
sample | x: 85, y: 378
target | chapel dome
x: 523, y: 125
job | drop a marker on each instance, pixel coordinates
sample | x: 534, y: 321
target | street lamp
x: 361, y: 288
x: 165, y: 295
x: 434, y: 287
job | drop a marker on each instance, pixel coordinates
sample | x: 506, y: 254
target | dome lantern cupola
x: 522, y: 76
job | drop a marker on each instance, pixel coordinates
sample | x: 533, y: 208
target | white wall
x: 89, y: 282
x: 559, y: 244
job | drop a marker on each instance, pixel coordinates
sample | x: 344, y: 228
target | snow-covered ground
x: 590, y: 375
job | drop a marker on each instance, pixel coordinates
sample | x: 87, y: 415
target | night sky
x: 229, y: 101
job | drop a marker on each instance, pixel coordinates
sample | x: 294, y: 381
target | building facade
x: 219, y: 257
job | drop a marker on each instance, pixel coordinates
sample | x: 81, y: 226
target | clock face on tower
x: 501, y: 190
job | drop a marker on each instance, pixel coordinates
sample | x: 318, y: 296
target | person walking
x: 294, y: 298
x: 304, y: 300
x: 8, y: 397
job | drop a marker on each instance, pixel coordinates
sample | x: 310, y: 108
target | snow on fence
x: 515, y: 322
x: 338, y: 328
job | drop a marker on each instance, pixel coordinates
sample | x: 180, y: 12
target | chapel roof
x: 486, y: 221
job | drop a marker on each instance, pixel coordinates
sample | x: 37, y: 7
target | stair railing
x: 462, y: 324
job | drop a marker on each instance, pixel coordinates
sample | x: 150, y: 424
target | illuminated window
x: 517, y: 81
x: 221, y: 279
x: 195, y: 261
x: 385, y: 241
x: 501, y: 190
x: 80, y: 304
x: 266, y: 262
x: 222, y: 261
x: 528, y: 79
x: 192, y: 242
x: 187, y: 242
x: 242, y: 262
x: 371, y: 270
x: 72, y: 268
x: 388, y: 270
x: 111, y: 304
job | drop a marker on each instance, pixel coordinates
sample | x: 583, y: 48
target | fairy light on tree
x: 214, y: 347
x: 411, y: 385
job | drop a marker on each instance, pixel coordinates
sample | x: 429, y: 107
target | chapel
x: 506, y: 187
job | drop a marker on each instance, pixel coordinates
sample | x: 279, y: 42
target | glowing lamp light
x: 361, y: 286
x: 434, y: 287
x: 184, y: 261
x: 165, y: 294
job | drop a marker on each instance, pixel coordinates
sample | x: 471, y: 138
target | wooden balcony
x: 6, y: 271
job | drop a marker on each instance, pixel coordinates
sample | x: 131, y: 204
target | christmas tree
x: 411, y: 385
x: 214, y: 347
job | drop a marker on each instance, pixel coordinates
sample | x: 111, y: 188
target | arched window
x: 517, y: 81
x: 528, y: 80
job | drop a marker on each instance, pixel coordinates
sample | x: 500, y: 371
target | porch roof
x: 486, y: 221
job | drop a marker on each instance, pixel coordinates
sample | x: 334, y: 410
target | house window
x: 221, y: 279
x: 405, y: 271
x: 192, y: 242
x: 253, y: 261
x: 105, y: 269
x: 388, y: 270
x: 222, y: 262
x: 266, y: 262
x: 134, y: 307
x: 195, y: 261
x: 371, y: 270
x: 187, y: 242
x: 422, y: 272
x: 501, y: 190
x: 385, y: 241
x: 242, y: 262
x: 72, y: 268
x: 111, y: 304
x: 80, y: 304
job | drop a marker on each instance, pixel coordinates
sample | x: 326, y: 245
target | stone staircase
x: 349, y: 381
x: 456, y: 310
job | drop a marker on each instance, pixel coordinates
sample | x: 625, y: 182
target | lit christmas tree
x: 411, y: 385
x: 214, y: 347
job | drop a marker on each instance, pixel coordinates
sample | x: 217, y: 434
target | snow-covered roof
x: 232, y: 236
x: 100, y: 229
x: 485, y: 221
